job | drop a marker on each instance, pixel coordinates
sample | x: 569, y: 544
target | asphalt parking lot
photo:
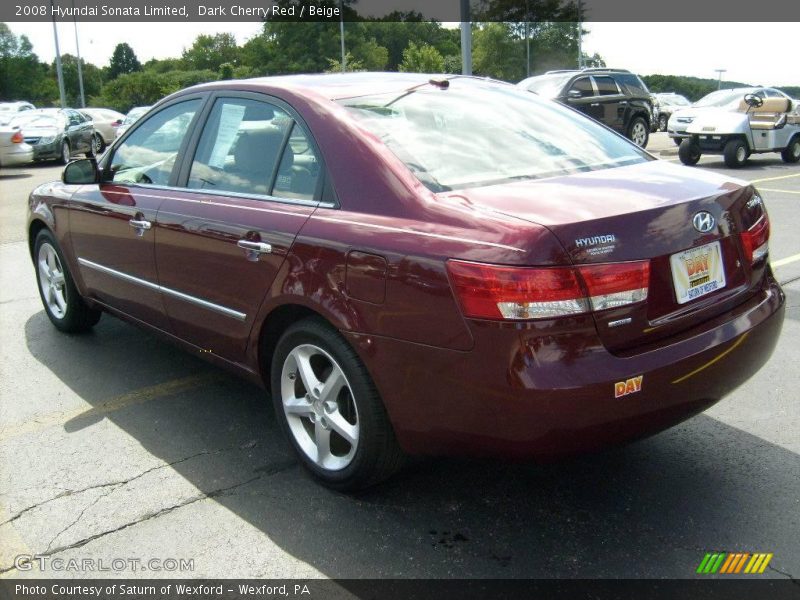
x: 115, y: 445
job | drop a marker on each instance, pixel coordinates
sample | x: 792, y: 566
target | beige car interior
x: 774, y: 113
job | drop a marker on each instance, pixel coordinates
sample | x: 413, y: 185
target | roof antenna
x: 440, y: 82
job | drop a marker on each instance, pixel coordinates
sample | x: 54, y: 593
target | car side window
x: 253, y: 147
x: 606, y: 86
x: 584, y: 86
x: 148, y: 154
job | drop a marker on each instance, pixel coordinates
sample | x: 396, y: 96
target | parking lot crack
x: 121, y: 482
x: 784, y: 573
x: 154, y: 515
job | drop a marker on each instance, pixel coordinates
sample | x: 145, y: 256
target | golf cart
x: 759, y: 125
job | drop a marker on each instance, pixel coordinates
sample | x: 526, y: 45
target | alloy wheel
x: 320, y: 408
x: 638, y: 133
x: 52, y: 281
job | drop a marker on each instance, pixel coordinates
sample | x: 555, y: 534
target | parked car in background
x: 668, y: 103
x: 9, y: 110
x: 55, y: 133
x: 13, y: 149
x: 106, y: 121
x: 615, y: 97
x: 133, y: 115
x: 417, y: 264
x: 758, y: 126
x: 730, y: 100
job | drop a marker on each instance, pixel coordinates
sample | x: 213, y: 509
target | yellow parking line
x: 713, y: 360
x: 762, y: 189
x: 775, y: 178
x: 139, y: 396
x: 785, y: 261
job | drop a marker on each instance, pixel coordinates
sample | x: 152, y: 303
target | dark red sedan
x: 417, y: 265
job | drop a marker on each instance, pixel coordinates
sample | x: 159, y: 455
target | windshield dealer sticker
x: 629, y: 386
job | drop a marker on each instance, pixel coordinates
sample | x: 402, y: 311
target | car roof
x: 336, y: 86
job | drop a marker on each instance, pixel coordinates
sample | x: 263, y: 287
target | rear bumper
x: 526, y: 391
x: 18, y: 154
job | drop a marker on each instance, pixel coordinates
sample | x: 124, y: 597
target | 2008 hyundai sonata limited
x: 416, y: 265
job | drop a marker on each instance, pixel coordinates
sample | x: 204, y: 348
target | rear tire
x: 340, y: 431
x: 689, y: 152
x: 791, y: 154
x: 97, y: 146
x: 735, y: 153
x: 63, y: 304
x: 638, y: 132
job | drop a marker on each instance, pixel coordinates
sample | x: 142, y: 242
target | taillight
x: 755, y: 240
x: 616, y: 284
x: 520, y: 293
x: 17, y: 138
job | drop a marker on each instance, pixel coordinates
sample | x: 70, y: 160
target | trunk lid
x: 643, y: 212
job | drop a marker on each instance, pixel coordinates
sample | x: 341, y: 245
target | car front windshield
x: 721, y: 99
x: 475, y: 134
x: 134, y: 115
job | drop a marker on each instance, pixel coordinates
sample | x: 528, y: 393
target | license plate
x: 697, y: 272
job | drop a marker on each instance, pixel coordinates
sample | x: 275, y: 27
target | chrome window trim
x: 224, y: 310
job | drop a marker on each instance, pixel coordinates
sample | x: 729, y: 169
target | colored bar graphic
x: 765, y: 563
x: 741, y: 562
x: 730, y: 563
x: 703, y: 563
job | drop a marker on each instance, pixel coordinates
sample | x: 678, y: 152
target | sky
x: 664, y: 50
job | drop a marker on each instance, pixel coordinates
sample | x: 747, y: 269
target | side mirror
x: 81, y: 172
x: 117, y: 123
x: 574, y: 95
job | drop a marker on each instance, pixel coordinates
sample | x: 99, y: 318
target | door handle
x: 595, y: 104
x: 140, y: 226
x: 623, y: 101
x: 254, y: 249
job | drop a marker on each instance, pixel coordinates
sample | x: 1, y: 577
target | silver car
x: 133, y: 115
x: 13, y: 149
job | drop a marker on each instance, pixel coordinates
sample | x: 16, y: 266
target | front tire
x: 735, y: 153
x: 689, y: 152
x: 638, y: 132
x: 63, y: 304
x: 662, y: 123
x: 66, y: 152
x: 791, y: 154
x: 329, y: 409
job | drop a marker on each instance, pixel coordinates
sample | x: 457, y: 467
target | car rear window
x: 475, y: 134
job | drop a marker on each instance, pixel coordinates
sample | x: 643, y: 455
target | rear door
x: 248, y: 186
x: 112, y: 224
x: 612, y: 102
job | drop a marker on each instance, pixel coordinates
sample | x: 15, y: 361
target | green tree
x: 22, y: 76
x: 497, y: 52
x: 422, y: 59
x: 211, y: 51
x: 123, y: 61
x: 92, y: 79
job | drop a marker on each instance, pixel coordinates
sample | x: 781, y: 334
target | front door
x: 252, y: 183
x: 113, y: 224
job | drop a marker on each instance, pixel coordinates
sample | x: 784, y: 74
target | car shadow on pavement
x: 651, y: 509
x: 7, y: 176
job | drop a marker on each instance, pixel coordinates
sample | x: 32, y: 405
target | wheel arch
x: 272, y: 328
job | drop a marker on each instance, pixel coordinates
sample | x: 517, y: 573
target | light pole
x: 719, y: 73
x: 59, y: 72
x: 466, y: 39
x: 341, y: 34
x: 78, y: 52
x: 580, y: 34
